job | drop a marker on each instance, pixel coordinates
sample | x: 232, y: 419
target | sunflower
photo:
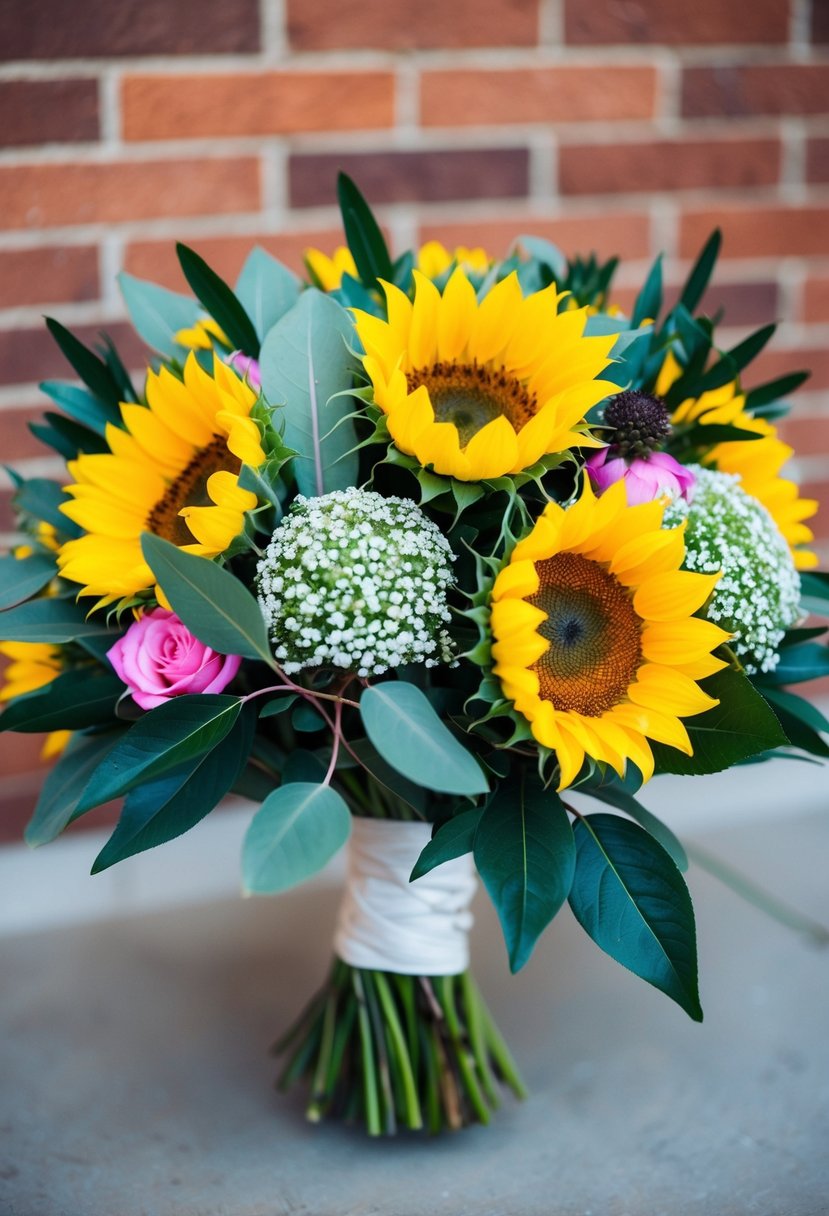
x: 594, y: 637
x: 203, y: 335
x: 757, y: 462
x: 33, y: 665
x: 434, y: 259
x: 173, y: 470
x: 479, y: 390
x: 329, y: 271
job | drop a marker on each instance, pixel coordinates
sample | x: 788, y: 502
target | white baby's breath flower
x: 355, y: 580
x: 758, y: 596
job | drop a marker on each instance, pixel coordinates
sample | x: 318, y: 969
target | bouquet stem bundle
x: 399, y: 1051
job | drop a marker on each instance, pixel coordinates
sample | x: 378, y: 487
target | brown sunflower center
x: 190, y: 490
x: 469, y: 396
x: 594, y: 635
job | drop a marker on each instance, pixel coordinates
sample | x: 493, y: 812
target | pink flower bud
x: 246, y: 365
x: 158, y: 658
x: 645, y: 478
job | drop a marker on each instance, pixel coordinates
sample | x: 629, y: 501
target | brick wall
x: 620, y: 126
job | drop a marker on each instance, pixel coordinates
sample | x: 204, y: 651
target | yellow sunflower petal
x: 675, y: 642
x: 675, y: 593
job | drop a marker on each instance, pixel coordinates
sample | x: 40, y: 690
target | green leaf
x: 305, y: 362
x: 814, y: 591
x: 526, y: 856
x: 742, y: 725
x: 219, y: 301
x: 81, y: 405
x: 266, y: 289
x: 706, y: 435
x: 158, y: 314
x: 613, y: 794
x: 277, y: 705
x: 73, y: 701
x: 92, y: 370
x: 701, y: 272
x: 649, y: 301
x: 177, y: 731
x: 158, y: 811
x: 303, y: 765
x: 68, y: 437
x: 369, y: 757
x: 365, y: 240
x: 23, y: 577
x: 62, y: 789
x: 808, y: 661
x: 51, y: 620
x: 295, y: 832
x: 410, y: 736
x: 799, y: 707
x: 216, y: 607
x: 306, y: 719
x: 774, y: 390
x: 630, y: 898
x: 743, y: 353
x: 41, y: 498
x: 452, y: 839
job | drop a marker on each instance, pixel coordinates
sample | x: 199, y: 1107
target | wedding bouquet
x: 407, y: 553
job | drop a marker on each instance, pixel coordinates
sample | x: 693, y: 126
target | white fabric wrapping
x: 387, y: 923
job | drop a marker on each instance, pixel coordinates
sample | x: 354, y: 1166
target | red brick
x: 62, y: 274
x: 703, y: 23
x: 394, y: 177
x: 7, y: 517
x: 668, y: 165
x: 606, y: 234
x: 820, y: 22
x: 106, y: 28
x: 36, y: 196
x: 30, y: 355
x: 752, y: 232
x: 773, y: 363
x: 18, y: 441
x: 157, y: 261
x: 732, y: 90
x: 808, y: 436
x: 48, y: 111
x: 491, y: 96
x: 816, y: 298
x: 410, y: 24
x: 817, y: 160
x: 271, y: 103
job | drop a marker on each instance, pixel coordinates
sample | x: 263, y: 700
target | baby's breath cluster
x: 355, y: 580
x: 758, y: 596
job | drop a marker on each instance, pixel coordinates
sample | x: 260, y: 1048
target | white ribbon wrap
x: 387, y: 923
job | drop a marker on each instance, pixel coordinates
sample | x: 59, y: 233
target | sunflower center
x: 190, y: 490
x: 594, y: 635
x: 470, y: 396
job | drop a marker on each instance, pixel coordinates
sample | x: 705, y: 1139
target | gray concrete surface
x: 135, y: 1080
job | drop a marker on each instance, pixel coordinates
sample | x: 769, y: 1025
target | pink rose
x: 158, y: 657
x: 246, y: 365
x: 645, y: 478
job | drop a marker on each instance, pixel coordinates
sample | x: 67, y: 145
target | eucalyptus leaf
x: 453, y: 839
x: 61, y: 791
x: 409, y: 735
x: 41, y: 498
x: 81, y: 405
x: 266, y: 289
x: 216, y: 607
x: 177, y: 731
x: 157, y: 313
x: 628, y: 895
x: 295, y: 832
x: 23, y: 577
x: 159, y: 810
x: 526, y: 856
x: 305, y: 363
